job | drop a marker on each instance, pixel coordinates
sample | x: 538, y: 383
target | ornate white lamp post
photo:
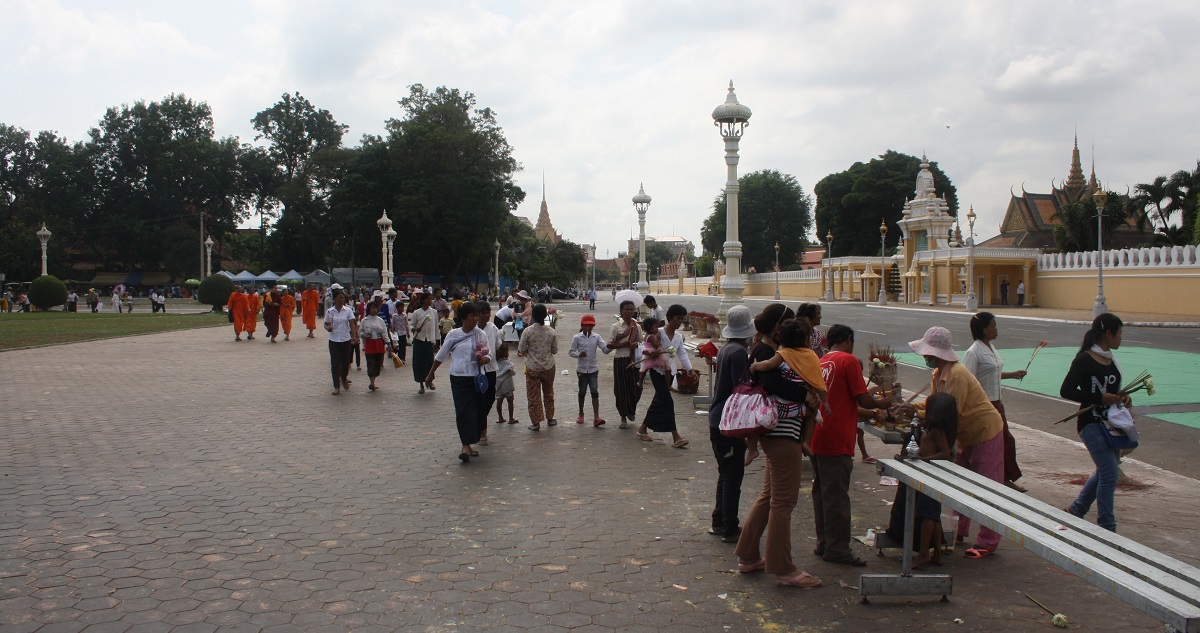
x: 829, y: 265
x: 44, y: 234
x: 496, y: 245
x: 972, y: 300
x: 641, y: 202
x: 208, y: 244
x: 731, y: 118
x: 882, y: 270
x: 391, y: 259
x: 385, y: 225
x: 777, y: 271
x: 1101, y: 305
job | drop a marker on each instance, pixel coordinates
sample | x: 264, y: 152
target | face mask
x: 931, y: 362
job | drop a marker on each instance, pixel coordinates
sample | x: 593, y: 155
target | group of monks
x: 277, y: 305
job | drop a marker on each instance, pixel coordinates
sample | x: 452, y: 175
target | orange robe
x: 287, y: 306
x: 237, y: 307
x: 252, y: 307
x: 308, y: 306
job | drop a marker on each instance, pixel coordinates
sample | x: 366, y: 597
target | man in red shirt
x: 832, y: 445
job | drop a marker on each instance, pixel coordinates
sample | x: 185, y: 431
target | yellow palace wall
x: 1163, y: 291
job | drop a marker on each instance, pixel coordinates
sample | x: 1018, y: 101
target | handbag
x: 1121, y: 432
x: 749, y: 411
x: 686, y: 383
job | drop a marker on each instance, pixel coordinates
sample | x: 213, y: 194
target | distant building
x: 1031, y: 217
x: 544, y: 230
x: 675, y: 243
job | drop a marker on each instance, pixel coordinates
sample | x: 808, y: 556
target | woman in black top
x: 772, y: 511
x: 729, y: 452
x: 1095, y: 379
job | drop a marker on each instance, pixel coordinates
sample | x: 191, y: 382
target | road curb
x: 1163, y: 324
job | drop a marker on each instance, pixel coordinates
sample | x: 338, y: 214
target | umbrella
x: 629, y: 295
x: 192, y: 282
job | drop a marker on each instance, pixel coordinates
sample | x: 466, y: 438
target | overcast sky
x: 604, y: 95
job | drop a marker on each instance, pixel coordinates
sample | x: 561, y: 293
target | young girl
x: 793, y: 348
x: 583, y: 347
x: 653, y: 354
x: 937, y: 442
x: 504, y: 384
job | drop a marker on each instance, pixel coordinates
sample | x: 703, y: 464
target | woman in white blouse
x: 982, y: 360
x: 467, y: 350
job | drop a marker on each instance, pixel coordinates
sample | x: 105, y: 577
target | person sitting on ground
x: 937, y: 442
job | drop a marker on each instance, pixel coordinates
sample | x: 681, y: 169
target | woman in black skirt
x: 660, y: 415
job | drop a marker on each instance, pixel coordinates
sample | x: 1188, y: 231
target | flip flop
x: 597, y: 422
x: 474, y: 453
x: 644, y: 437
x: 868, y: 460
x: 514, y: 421
x: 679, y: 444
x: 746, y: 568
x: 579, y: 420
x: 977, y: 553
x: 804, y: 580
x: 465, y: 457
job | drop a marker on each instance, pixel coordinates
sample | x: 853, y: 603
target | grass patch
x: 20, y: 330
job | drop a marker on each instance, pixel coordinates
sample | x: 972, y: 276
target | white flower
x: 1150, y: 390
x: 671, y: 351
x: 1059, y: 620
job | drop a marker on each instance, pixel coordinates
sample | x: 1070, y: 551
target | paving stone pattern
x: 184, y: 482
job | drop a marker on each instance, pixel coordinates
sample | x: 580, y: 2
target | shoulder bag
x: 749, y: 411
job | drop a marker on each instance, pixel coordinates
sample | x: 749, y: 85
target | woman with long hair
x: 1095, y: 380
x: 466, y: 348
x: 660, y: 415
x: 784, y: 450
x: 986, y: 365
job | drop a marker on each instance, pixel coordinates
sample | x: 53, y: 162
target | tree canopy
x: 772, y: 208
x: 851, y: 203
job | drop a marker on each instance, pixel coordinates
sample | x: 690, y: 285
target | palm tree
x: 1183, y: 191
x: 1152, y: 194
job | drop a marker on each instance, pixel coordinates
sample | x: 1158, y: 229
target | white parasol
x: 628, y: 294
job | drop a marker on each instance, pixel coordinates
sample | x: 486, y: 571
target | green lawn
x: 19, y: 330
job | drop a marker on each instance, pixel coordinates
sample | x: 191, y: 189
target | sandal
x: 645, y: 437
x: 513, y: 421
x: 680, y: 443
x: 598, y: 422
x: 474, y: 453
x: 868, y: 460
x: 804, y: 580
x: 551, y: 422
x: 534, y: 427
x: 465, y: 457
x: 579, y: 420
x: 483, y: 441
x: 977, y: 553
x: 746, y: 568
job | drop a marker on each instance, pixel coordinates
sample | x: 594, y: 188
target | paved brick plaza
x: 182, y: 482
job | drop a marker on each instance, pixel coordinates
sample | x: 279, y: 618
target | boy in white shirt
x: 583, y: 347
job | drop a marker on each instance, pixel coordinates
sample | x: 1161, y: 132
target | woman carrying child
x: 660, y: 415
x: 584, y: 347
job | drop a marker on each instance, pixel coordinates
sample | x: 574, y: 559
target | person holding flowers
x: 660, y: 415
x: 1094, y: 382
x: 986, y: 365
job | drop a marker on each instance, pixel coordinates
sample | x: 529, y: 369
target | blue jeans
x: 1102, y: 485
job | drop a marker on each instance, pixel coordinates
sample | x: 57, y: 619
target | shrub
x: 215, y: 291
x: 46, y: 292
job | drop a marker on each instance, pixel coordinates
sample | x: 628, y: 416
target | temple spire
x: 1075, y: 181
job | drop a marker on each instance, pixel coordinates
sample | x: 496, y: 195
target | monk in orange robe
x: 308, y: 308
x: 287, y: 307
x: 254, y: 303
x: 238, y: 307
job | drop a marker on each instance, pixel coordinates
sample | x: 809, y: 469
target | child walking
x: 504, y: 384
x: 653, y: 354
x: 937, y: 442
x: 445, y: 324
x: 583, y: 347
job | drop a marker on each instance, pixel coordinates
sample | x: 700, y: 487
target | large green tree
x: 444, y: 175
x: 851, y: 203
x: 772, y: 208
x: 1076, y: 230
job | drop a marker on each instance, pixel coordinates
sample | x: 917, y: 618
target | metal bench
x: 1158, y: 585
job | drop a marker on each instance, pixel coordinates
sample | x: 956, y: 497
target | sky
x: 602, y: 96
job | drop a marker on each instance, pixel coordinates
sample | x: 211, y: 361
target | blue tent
x: 292, y: 274
x: 226, y: 273
x: 246, y: 277
x: 267, y: 277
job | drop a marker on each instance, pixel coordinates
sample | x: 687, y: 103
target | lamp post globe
x: 731, y: 119
x: 1101, y: 305
x: 972, y: 300
x: 641, y: 204
x: 882, y: 271
x: 208, y: 244
x: 43, y: 235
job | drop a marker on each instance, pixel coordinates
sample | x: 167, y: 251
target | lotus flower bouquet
x: 882, y: 366
x: 1143, y: 382
x: 481, y: 351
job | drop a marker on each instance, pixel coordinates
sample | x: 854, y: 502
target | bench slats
x: 1161, y: 563
x: 1034, y: 533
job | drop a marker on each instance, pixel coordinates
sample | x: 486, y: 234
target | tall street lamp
x: 1101, y: 306
x: 44, y: 234
x: 731, y: 119
x: 208, y: 244
x: 641, y: 203
x: 777, y: 271
x: 391, y: 258
x: 882, y: 271
x: 385, y: 225
x: 496, y: 245
x: 829, y: 266
x: 972, y: 301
